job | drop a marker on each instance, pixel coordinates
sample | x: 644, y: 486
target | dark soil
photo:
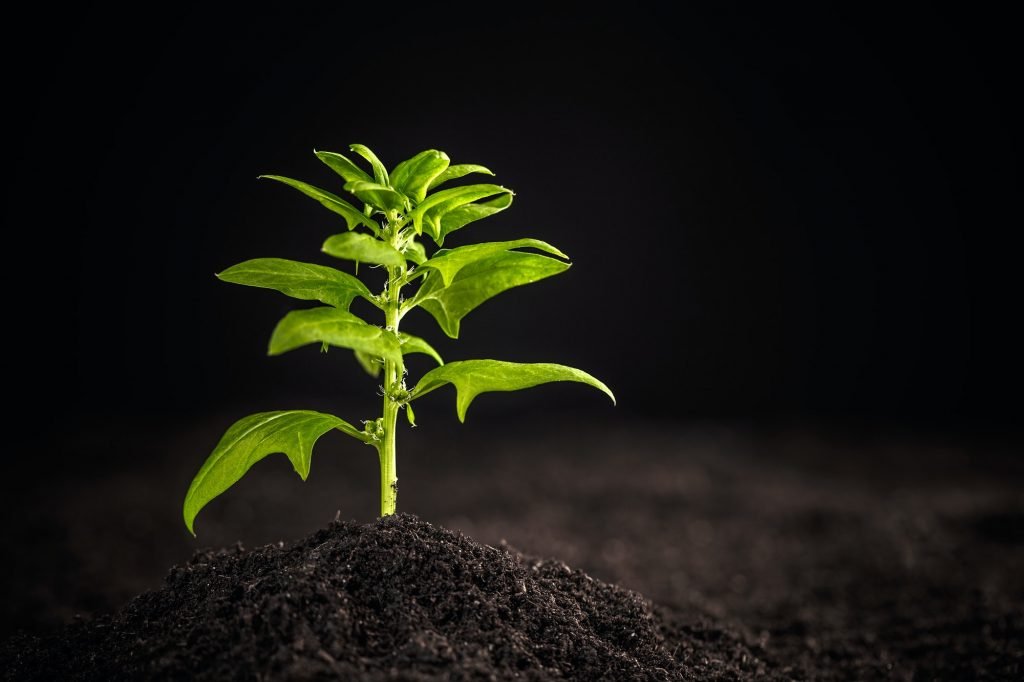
x: 785, y: 554
x: 394, y: 598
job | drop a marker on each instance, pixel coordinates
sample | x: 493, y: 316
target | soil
x: 705, y: 553
x: 398, y: 597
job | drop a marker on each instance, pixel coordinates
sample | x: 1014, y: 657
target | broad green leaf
x: 473, y: 377
x: 434, y: 207
x: 370, y: 363
x: 479, y: 281
x: 413, y: 176
x: 350, y: 213
x: 450, y: 261
x: 334, y: 327
x: 343, y: 166
x: 414, y: 344
x: 292, y: 432
x: 380, y: 173
x: 362, y: 248
x: 457, y: 171
x: 304, y: 281
x: 415, y: 252
x: 464, y: 215
x: 381, y: 196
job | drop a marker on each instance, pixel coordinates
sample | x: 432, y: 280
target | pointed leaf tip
x: 473, y: 377
x: 304, y: 281
x: 332, y: 202
x: 247, y: 441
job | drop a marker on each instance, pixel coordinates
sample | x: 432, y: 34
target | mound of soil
x: 397, y: 598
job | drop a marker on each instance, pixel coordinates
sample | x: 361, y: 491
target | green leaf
x: 479, y: 281
x: 363, y: 248
x: 350, y: 213
x: 464, y: 215
x: 334, y: 327
x: 436, y: 206
x: 450, y: 261
x: 292, y: 432
x: 414, y: 344
x: 380, y: 173
x: 370, y: 363
x: 413, y: 176
x: 381, y: 196
x: 304, y: 281
x: 415, y: 252
x: 457, y: 171
x: 343, y: 166
x: 473, y: 377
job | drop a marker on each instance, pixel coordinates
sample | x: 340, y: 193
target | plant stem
x: 393, y: 375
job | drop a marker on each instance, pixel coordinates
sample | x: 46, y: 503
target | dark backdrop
x: 770, y: 215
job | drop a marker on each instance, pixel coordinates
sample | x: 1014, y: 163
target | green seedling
x: 398, y: 209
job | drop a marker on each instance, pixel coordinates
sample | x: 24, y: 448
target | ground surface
x: 764, y: 553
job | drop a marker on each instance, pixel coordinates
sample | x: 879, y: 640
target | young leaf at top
x: 479, y: 281
x: 350, y: 213
x: 380, y: 173
x: 413, y: 176
x: 336, y: 328
x: 380, y: 196
x: 305, y: 281
x: 473, y: 377
x: 343, y: 167
x: 430, y: 211
x: 362, y: 248
x: 292, y: 432
x: 449, y: 262
x: 457, y: 171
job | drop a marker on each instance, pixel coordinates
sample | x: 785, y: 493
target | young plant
x: 398, y: 208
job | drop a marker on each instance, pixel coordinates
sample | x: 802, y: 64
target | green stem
x: 393, y: 374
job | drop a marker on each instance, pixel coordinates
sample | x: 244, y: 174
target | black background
x: 771, y: 216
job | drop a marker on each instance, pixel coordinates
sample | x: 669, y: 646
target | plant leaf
x: 304, y: 281
x: 381, y: 196
x: 370, y: 363
x: 458, y: 218
x: 434, y: 207
x: 413, y: 176
x: 457, y: 171
x: 350, y: 213
x: 450, y: 261
x: 414, y: 344
x: 334, y: 327
x: 343, y: 166
x: 292, y: 432
x: 479, y: 281
x: 363, y: 248
x: 380, y: 173
x: 415, y: 252
x: 473, y: 377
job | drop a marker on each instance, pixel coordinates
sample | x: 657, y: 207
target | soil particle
x: 394, y: 599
